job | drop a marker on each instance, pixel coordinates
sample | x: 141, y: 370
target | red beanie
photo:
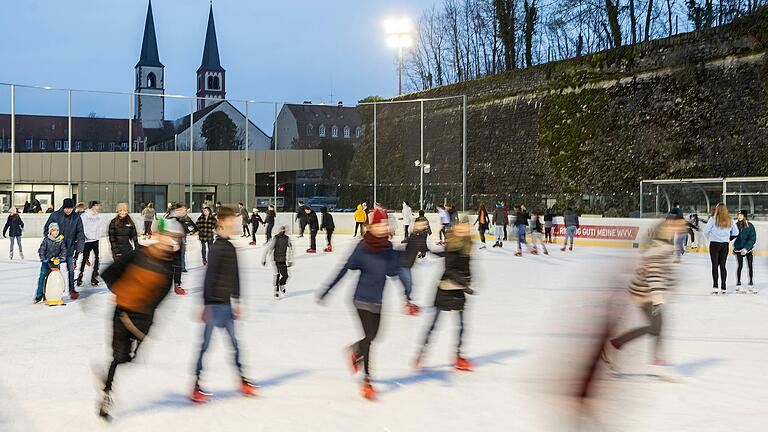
x: 378, y: 215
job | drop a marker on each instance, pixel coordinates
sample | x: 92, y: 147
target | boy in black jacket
x: 313, y: 228
x: 220, y: 287
x: 282, y: 254
x: 328, y: 226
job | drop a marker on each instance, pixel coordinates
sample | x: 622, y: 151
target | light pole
x: 400, y: 36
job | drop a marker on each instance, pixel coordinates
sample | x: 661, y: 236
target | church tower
x: 210, y: 74
x: 150, y: 79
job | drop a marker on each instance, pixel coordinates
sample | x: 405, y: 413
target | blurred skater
x: 52, y: 247
x: 376, y: 260
x: 482, y: 223
x: 71, y: 227
x: 499, y: 225
x: 123, y: 237
x: 537, y: 234
x: 281, y: 249
x: 255, y: 221
x: 720, y: 230
x: 148, y: 214
x: 654, y: 277
x: 206, y: 227
x: 445, y: 221
x: 452, y: 289
x: 270, y: 221
x: 329, y: 227
x: 571, y: 222
x: 415, y: 247
x: 221, y: 288
x: 14, y: 227
x: 178, y: 212
x: 742, y: 248
x: 139, y: 282
x: 360, y: 218
x: 311, y: 221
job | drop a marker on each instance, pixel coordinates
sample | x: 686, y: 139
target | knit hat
x: 169, y: 227
x: 52, y: 226
x: 744, y: 212
x: 68, y: 203
x: 255, y: 210
x: 13, y: 210
x: 378, y: 215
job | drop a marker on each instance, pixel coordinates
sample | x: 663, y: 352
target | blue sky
x: 272, y: 50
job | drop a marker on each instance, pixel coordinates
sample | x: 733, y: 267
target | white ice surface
x: 530, y: 331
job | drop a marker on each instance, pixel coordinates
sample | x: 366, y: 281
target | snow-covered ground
x: 530, y: 331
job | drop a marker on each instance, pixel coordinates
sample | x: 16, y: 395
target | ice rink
x: 531, y: 329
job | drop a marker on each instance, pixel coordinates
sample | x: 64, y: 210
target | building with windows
x: 336, y: 130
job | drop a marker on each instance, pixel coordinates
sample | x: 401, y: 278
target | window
x: 151, y: 80
x: 216, y: 83
x: 57, y: 145
x: 124, y: 145
x: 321, y: 131
x: 309, y: 129
x: 210, y: 82
x: 334, y: 131
x: 346, y: 131
x: 78, y: 145
x: 358, y: 131
x: 111, y: 146
x: 28, y: 144
x: 43, y: 144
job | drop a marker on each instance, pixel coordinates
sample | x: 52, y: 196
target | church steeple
x: 150, y: 79
x: 149, y: 55
x: 210, y: 74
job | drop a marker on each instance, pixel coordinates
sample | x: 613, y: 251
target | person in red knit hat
x: 376, y: 260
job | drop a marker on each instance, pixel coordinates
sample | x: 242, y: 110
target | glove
x: 469, y: 291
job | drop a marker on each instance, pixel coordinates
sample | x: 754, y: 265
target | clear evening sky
x: 272, y: 50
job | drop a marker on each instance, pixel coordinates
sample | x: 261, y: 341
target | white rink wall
x: 594, y: 231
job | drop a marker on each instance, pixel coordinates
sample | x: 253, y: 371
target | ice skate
x: 179, y: 290
x: 367, y: 390
x: 534, y: 252
x: 412, y: 309
x: 482, y: 246
x: 562, y: 249
x: 518, y: 254
x: 105, y: 407
x: 608, y: 355
x: 418, y: 362
x: 37, y: 299
x: 311, y: 251
x: 21, y: 256
x: 248, y: 388
x: 199, y: 396
x: 570, y: 248
x: 74, y: 295
x: 94, y: 283
x: 328, y: 248
x: 79, y: 282
x: 463, y: 364
x: 740, y: 289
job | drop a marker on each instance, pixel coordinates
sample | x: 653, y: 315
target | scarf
x: 375, y: 244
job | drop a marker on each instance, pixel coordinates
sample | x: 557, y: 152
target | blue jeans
x: 498, y: 232
x: 44, y: 270
x: 407, y: 280
x: 521, y: 231
x: 570, y: 233
x: 218, y: 315
x: 70, y: 271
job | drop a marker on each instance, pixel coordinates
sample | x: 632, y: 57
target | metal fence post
x: 464, y: 154
x: 191, y: 146
x: 375, y: 198
x: 69, y: 143
x: 245, y: 183
x: 13, y: 143
x: 130, y: 152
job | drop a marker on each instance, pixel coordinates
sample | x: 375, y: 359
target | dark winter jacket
x: 222, y: 277
x: 270, y: 219
x: 328, y: 224
x: 50, y: 248
x: 278, y: 247
x: 548, y: 217
x: 14, y: 224
x: 244, y: 216
x: 374, y: 268
x: 536, y: 225
x: 521, y: 218
x: 255, y: 221
x: 747, y: 237
x: 141, y: 280
x: 571, y: 219
x: 301, y: 215
x: 483, y: 220
x: 456, y: 278
x: 206, y: 228
x: 312, y: 220
x: 499, y: 217
x: 417, y: 243
x: 71, y: 227
x: 122, y: 238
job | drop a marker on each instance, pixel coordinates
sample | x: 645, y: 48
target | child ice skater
x: 328, y: 226
x: 52, y: 247
x: 221, y: 287
x: 140, y: 281
x: 14, y: 226
x: 282, y: 256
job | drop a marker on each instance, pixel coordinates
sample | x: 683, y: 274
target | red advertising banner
x: 604, y: 232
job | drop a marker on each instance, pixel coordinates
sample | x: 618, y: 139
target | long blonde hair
x: 722, y: 218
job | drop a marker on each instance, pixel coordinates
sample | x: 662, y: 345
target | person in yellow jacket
x: 360, y: 218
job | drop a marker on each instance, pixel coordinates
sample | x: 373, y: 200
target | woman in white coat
x: 407, y: 219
